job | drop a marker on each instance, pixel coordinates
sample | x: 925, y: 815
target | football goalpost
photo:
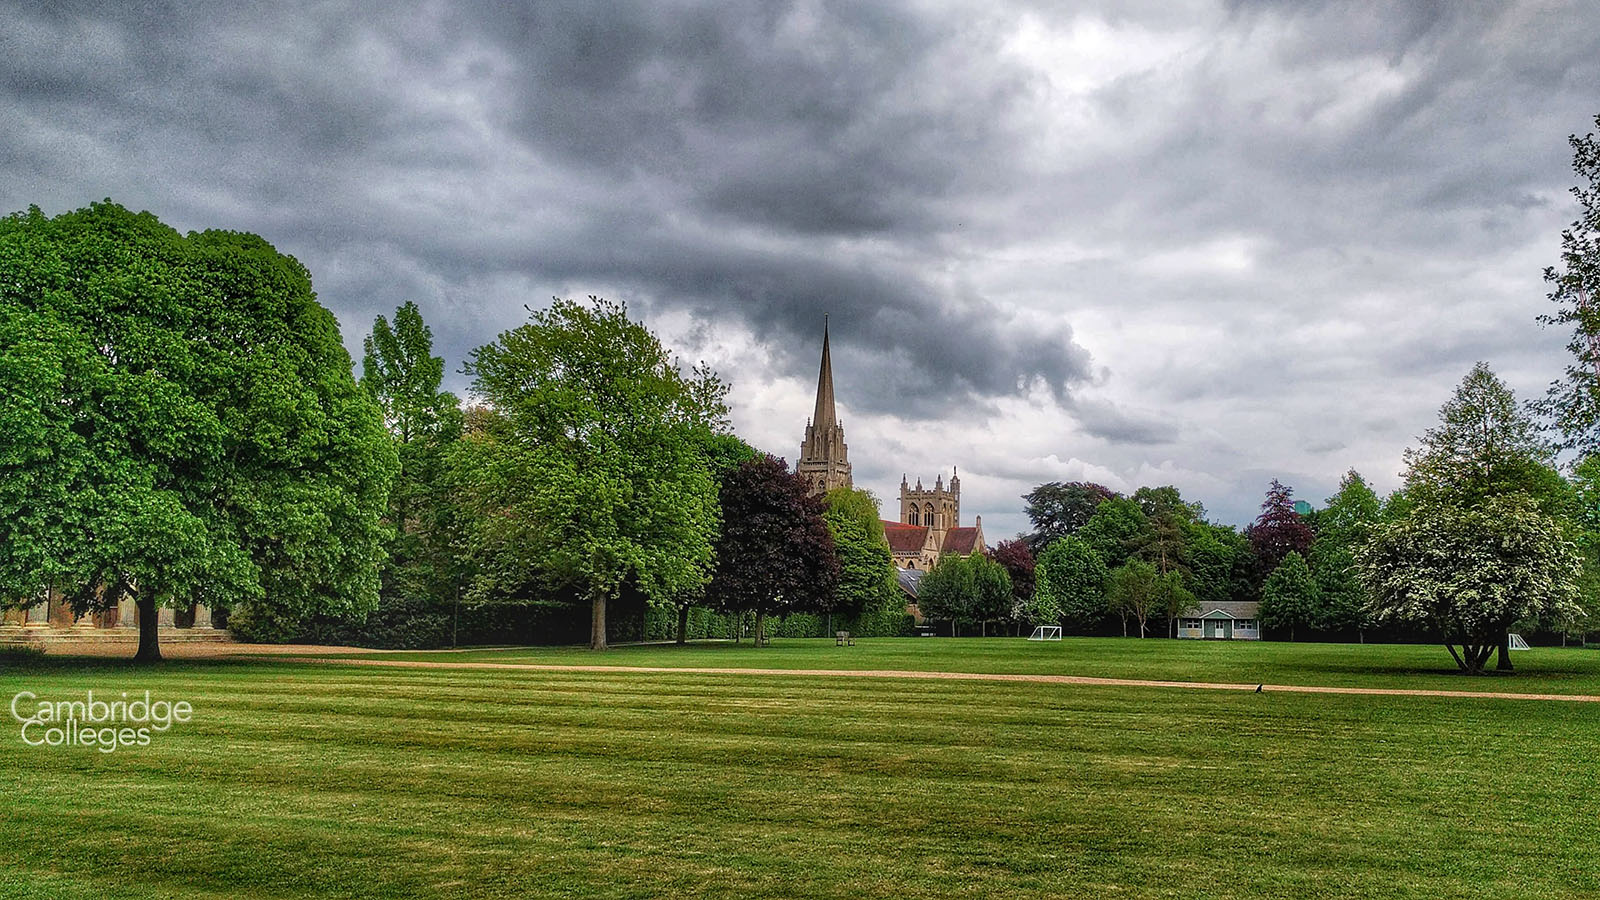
x: 1517, y: 643
x: 1046, y: 633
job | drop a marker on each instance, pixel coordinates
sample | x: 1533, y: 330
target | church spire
x: 825, y: 417
x: 824, y: 457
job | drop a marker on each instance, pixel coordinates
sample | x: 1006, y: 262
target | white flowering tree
x: 1469, y: 573
x: 1487, y: 538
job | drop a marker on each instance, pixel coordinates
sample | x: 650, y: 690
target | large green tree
x: 423, y: 574
x: 1117, y: 530
x: 1343, y: 525
x: 1069, y: 585
x: 948, y: 592
x: 991, y: 592
x: 1290, y: 598
x: 595, y: 458
x: 1058, y: 509
x: 1136, y: 589
x: 1469, y: 572
x: 869, y: 595
x: 1479, y: 537
x: 179, y: 424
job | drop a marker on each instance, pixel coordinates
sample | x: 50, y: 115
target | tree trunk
x: 1505, y: 652
x: 149, y: 630
x: 597, y: 623
x: 761, y: 627
x: 683, y: 623
x: 983, y: 628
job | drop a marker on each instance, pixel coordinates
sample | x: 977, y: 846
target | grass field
x: 1549, y: 670
x: 310, y: 779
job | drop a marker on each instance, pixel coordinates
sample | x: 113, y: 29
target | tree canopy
x: 179, y: 424
x: 868, y: 590
x: 1058, y: 509
x: 1279, y: 530
x: 1070, y: 585
x: 1477, y: 543
x: 596, y: 455
x: 1573, y: 402
x: 775, y: 554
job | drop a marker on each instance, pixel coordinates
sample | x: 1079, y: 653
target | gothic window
x: 928, y: 515
x: 914, y: 516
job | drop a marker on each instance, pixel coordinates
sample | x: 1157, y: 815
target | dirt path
x: 952, y: 676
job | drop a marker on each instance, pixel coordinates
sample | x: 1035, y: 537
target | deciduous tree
x: 1133, y: 589
x: 1289, y: 598
x: 597, y: 461
x: 1468, y: 573
x: 1117, y: 530
x: 1279, y: 530
x: 1478, y: 540
x: 1058, y: 509
x: 1573, y: 402
x: 774, y: 555
x: 179, y: 424
x: 868, y: 591
x: 947, y: 592
x: 1070, y: 586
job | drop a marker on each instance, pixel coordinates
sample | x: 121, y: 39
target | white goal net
x: 1046, y: 633
x: 1517, y: 643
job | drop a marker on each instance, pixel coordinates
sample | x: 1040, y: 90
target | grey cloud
x: 894, y: 165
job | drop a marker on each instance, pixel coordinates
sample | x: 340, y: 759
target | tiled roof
x: 905, y: 538
x: 960, y: 540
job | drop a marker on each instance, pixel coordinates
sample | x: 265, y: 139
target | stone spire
x: 824, y: 457
x: 825, y: 417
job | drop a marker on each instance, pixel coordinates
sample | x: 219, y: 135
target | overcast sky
x: 1135, y: 243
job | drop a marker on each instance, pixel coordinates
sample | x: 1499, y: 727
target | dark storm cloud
x: 1282, y: 229
x: 713, y: 156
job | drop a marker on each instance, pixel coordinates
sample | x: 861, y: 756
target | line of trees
x: 180, y: 424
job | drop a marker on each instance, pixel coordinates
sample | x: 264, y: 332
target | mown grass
x: 1542, y: 670
x: 312, y: 780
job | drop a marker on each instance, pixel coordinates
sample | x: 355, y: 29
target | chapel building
x: 930, y: 519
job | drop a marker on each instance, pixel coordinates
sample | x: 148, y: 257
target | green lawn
x: 308, y: 779
x: 1543, y: 670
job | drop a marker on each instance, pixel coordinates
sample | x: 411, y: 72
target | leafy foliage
x: 775, y: 554
x: 1290, y: 598
x: 966, y: 589
x: 1059, y: 509
x: 178, y: 424
x: 426, y: 546
x: 1135, y: 589
x: 1476, y: 543
x: 591, y: 470
x: 1279, y: 530
x: 1018, y: 561
x: 1573, y: 403
x: 1470, y: 572
x: 1071, y: 585
x: 1117, y: 530
x: 1343, y: 526
x: 868, y: 590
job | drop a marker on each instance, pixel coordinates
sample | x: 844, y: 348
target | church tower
x: 824, y: 458
x: 938, y: 510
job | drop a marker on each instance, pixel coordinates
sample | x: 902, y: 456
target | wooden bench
x: 843, y: 639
